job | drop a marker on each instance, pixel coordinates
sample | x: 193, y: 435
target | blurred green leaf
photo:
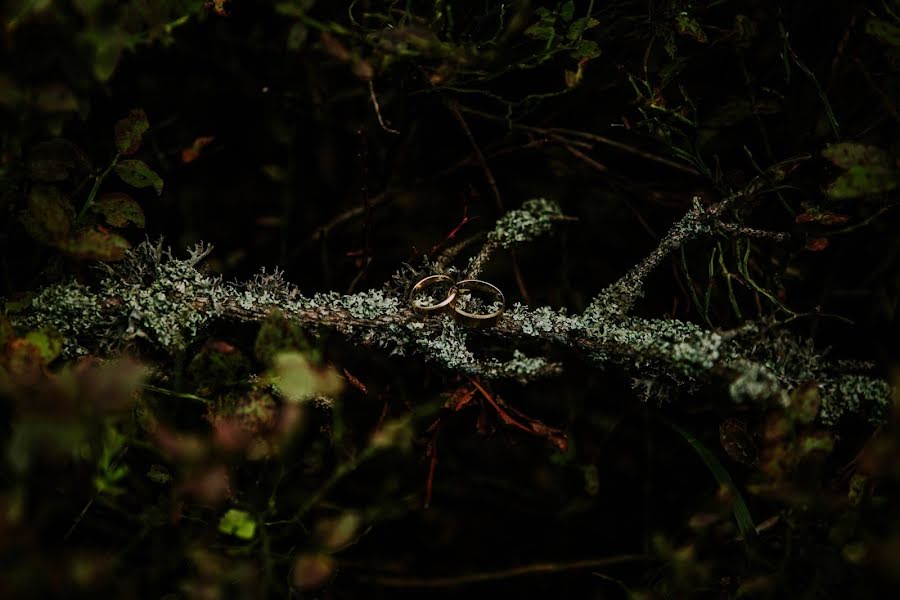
x: 884, y: 31
x: 688, y: 26
x: 119, y: 210
x: 110, y: 471
x: 848, y: 154
x: 56, y: 160
x: 297, y: 380
x: 869, y: 170
x: 238, y: 523
x: 334, y: 533
x: 136, y: 173
x: 860, y: 180
x: 585, y: 49
x: 49, y: 215
x: 48, y: 343
x: 579, y: 26
x: 94, y: 244
x: 56, y: 98
x: 130, y: 131
x: 279, y: 334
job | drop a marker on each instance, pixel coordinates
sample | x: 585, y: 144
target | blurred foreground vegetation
x: 338, y: 141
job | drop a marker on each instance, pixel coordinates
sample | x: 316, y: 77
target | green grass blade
x: 741, y: 511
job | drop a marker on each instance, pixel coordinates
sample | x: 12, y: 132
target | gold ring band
x: 428, y: 282
x: 478, y: 319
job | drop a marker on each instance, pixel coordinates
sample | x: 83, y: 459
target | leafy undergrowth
x: 346, y: 141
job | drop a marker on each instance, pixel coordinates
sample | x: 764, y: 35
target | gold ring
x: 428, y: 282
x: 479, y: 319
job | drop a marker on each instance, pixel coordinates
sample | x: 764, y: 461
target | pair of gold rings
x: 451, y: 302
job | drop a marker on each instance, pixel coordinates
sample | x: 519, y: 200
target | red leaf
x: 816, y: 244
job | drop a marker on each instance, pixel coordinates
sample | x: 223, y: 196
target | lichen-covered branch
x: 168, y: 302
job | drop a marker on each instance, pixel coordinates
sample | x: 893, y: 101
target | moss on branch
x: 168, y: 302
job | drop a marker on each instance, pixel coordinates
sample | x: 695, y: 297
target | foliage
x: 689, y: 206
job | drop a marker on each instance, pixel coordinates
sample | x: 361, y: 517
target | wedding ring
x: 478, y: 319
x: 427, y: 282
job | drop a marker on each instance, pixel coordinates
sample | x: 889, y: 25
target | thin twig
x: 486, y: 576
x: 561, y: 131
x: 381, y: 120
x: 482, y: 162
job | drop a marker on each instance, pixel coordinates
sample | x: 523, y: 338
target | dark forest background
x: 338, y: 141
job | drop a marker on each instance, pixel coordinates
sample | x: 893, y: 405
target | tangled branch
x: 168, y: 302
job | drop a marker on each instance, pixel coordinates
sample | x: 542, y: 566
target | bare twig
x: 381, y: 120
x: 487, y: 576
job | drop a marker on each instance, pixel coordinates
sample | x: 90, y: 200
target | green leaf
x: 130, y: 131
x: 567, y: 11
x: 862, y: 180
x: 741, y: 511
x: 884, y: 31
x: 49, y: 215
x: 106, y: 59
x: 577, y: 29
x: 545, y: 28
x: 297, y: 380
x: 279, y: 334
x: 107, y: 45
x: 109, y: 472
x: 56, y: 160
x: 238, y: 523
x: 297, y: 36
x: 586, y: 49
x: 336, y: 532
x: 94, y: 244
x: 869, y: 170
x: 688, y: 26
x: 541, y: 31
x: 47, y: 342
x: 119, y: 210
x: 136, y: 173
x: 848, y: 154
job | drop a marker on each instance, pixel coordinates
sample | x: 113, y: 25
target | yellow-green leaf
x: 136, y: 173
x: 238, y: 523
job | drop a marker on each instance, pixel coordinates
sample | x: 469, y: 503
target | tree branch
x: 154, y: 296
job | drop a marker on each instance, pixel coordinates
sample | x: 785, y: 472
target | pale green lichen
x: 156, y: 296
x: 449, y: 348
x: 534, y: 219
x: 542, y: 322
x: 71, y: 309
x: 678, y: 345
x: 160, y: 297
x: 520, y: 368
x: 755, y: 383
x: 854, y: 394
